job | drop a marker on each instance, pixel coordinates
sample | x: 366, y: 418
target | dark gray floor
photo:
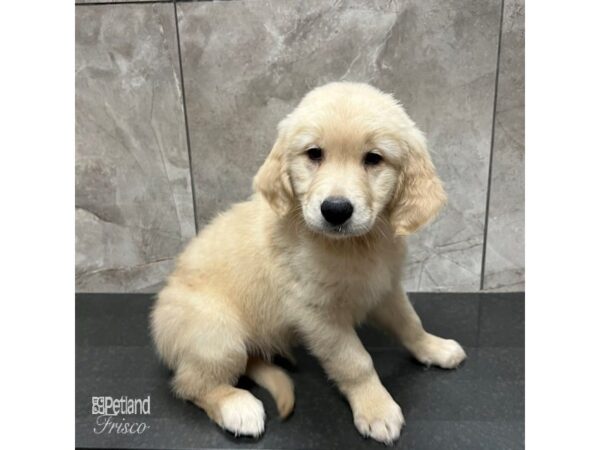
x: 478, y: 406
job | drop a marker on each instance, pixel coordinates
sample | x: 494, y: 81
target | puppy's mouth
x: 346, y: 230
x: 338, y: 231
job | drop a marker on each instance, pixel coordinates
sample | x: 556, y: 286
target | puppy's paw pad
x: 384, y: 428
x: 445, y: 353
x: 243, y: 414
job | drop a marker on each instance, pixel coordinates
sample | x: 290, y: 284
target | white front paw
x: 379, y: 417
x: 445, y: 353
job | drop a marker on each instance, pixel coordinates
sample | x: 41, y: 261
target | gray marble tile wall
x: 505, y: 250
x: 134, y: 207
x: 245, y: 64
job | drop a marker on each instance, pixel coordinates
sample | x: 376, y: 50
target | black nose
x: 336, y: 210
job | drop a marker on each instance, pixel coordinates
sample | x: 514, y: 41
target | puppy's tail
x: 274, y: 380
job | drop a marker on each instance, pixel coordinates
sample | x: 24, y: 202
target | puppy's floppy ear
x: 272, y: 180
x: 420, y: 193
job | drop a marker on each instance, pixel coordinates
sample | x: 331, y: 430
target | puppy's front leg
x: 346, y: 361
x: 397, y: 316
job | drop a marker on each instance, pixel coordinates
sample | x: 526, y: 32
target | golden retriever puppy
x: 317, y: 250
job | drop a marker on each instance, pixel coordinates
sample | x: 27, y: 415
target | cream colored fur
x: 270, y: 272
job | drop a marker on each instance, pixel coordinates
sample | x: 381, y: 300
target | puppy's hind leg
x: 233, y: 409
x: 210, y: 386
x: 205, y: 345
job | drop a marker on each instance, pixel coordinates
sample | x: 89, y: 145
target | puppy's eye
x: 314, y: 154
x: 372, y: 159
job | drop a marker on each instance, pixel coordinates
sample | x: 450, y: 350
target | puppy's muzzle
x: 336, y: 210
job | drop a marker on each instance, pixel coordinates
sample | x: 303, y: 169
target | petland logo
x: 108, y: 408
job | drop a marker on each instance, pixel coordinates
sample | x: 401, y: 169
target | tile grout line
x: 185, y: 117
x: 489, y: 181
